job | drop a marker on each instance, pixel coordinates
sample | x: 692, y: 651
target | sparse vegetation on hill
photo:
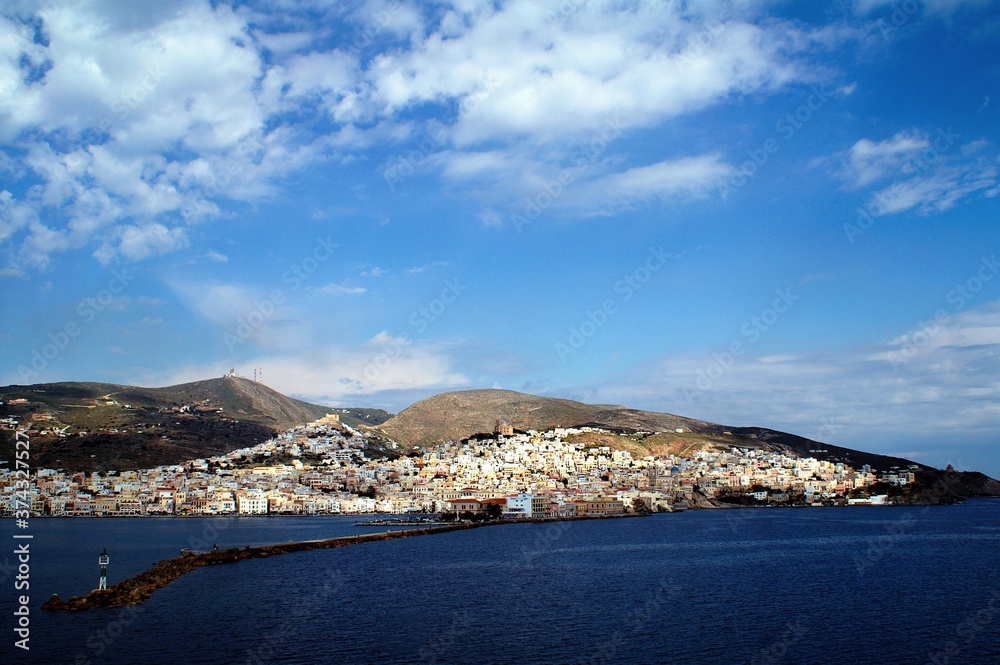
x: 683, y: 444
x: 94, y: 426
x: 100, y: 426
x: 458, y: 415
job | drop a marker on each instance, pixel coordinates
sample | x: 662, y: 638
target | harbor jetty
x: 139, y: 588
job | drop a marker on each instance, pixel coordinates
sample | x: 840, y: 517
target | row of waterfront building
x: 321, y: 468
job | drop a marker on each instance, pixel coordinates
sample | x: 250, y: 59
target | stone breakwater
x: 139, y: 588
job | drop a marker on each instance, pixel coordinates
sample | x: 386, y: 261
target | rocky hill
x: 458, y: 415
x: 87, y: 426
x: 100, y: 426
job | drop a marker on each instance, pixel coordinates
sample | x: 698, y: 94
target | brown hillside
x: 457, y: 415
x: 88, y: 426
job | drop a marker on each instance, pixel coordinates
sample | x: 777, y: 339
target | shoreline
x: 139, y: 588
x: 718, y: 505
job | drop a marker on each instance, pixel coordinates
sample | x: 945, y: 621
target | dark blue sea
x: 809, y: 585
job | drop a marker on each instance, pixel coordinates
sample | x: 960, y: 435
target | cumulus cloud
x: 940, y: 377
x: 137, y: 242
x: 129, y: 133
x: 14, y: 215
x: 124, y: 137
x: 577, y: 78
x: 335, y: 374
x: 571, y: 72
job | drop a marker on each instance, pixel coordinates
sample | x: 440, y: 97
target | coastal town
x: 323, y: 468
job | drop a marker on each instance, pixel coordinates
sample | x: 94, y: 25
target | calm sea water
x: 830, y: 585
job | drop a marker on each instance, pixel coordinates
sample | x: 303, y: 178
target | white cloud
x: 137, y: 242
x: 935, y: 193
x: 868, y: 161
x: 382, y: 16
x: 941, y: 378
x: 568, y: 74
x: 490, y: 218
x: 14, y: 215
x: 688, y: 177
x: 927, y: 173
x: 319, y: 74
x: 972, y: 147
x: 149, y: 138
x: 576, y: 78
x: 340, y: 289
x: 245, y: 317
x: 416, y: 270
x: 222, y: 304
x: 41, y: 242
x: 333, y: 374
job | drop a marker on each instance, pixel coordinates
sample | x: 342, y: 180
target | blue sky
x: 750, y: 212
